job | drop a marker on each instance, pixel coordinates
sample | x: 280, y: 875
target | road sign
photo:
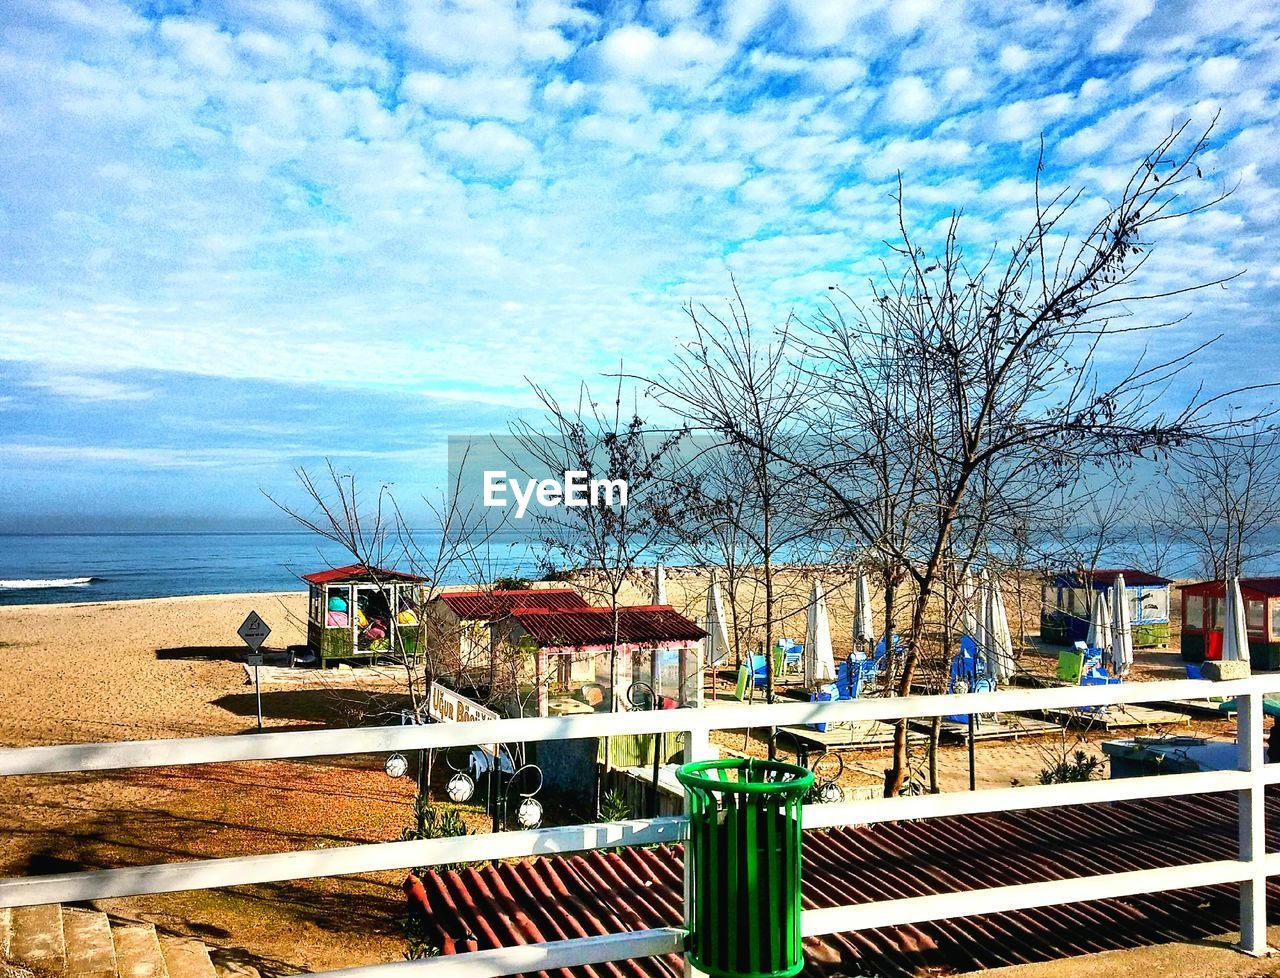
x: 254, y: 660
x: 254, y: 631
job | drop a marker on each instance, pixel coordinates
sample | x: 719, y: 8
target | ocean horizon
x: 52, y: 568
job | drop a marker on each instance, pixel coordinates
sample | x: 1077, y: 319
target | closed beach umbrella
x: 968, y: 606
x: 1099, y: 622
x: 819, y: 661
x: 659, y: 584
x: 1235, y: 634
x: 980, y: 603
x: 1000, y: 664
x: 717, y: 640
x: 1121, y: 630
x: 863, y: 630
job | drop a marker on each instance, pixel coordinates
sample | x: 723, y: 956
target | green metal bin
x: 744, y: 844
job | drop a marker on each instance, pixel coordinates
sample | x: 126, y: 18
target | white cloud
x: 910, y: 100
x: 1116, y: 19
x: 487, y: 32
x: 907, y: 15
x: 82, y: 387
x: 683, y: 56
x: 487, y: 144
x: 1014, y: 58
x: 473, y: 96
x: 1217, y: 74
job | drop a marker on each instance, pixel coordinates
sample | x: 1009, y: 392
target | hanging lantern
x: 529, y: 813
x: 397, y: 766
x: 460, y: 788
x: 830, y: 793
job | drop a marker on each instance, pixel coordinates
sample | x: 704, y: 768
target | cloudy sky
x: 242, y: 236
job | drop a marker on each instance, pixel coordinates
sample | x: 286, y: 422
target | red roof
x: 488, y: 605
x: 1250, y: 587
x: 555, y: 897
x: 360, y: 572
x: 642, y: 625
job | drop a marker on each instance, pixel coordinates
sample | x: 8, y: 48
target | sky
x: 240, y: 237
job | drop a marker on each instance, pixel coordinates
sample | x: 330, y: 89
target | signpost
x: 446, y: 706
x: 254, y: 631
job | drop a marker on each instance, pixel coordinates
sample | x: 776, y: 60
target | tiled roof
x: 1255, y: 587
x: 645, y: 624
x: 1107, y: 578
x: 489, y: 605
x: 359, y: 572
x: 555, y: 897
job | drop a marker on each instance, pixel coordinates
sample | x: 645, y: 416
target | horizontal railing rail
x: 69, y: 758
x: 1249, y: 779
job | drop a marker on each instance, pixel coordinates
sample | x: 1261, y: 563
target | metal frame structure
x: 1249, y: 780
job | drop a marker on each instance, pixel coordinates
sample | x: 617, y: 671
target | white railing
x: 1250, y: 869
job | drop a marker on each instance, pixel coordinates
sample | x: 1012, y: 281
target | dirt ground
x: 172, y: 668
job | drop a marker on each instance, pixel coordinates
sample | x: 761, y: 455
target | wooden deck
x: 841, y: 736
x: 1116, y: 717
x: 1002, y: 727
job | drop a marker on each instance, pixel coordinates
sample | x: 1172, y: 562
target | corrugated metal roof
x: 551, y: 898
x: 359, y: 572
x: 1252, y: 587
x: 639, y: 625
x: 489, y: 605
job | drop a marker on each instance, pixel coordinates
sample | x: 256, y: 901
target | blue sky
x: 240, y: 237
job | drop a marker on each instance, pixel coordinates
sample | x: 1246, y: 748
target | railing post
x: 1251, y: 809
x: 697, y: 747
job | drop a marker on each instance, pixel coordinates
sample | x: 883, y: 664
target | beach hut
x: 570, y: 648
x: 362, y: 612
x: 1204, y: 615
x: 465, y: 627
x: 1068, y: 599
x: 572, y: 670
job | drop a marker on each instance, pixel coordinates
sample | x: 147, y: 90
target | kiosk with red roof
x: 362, y: 613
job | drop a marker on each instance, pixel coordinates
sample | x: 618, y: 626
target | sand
x: 165, y: 667
x: 173, y: 667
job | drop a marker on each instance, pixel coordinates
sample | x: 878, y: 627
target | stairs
x: 64, y: 942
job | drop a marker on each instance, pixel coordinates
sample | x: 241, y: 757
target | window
x: 1275, y: 619
x: 337, y: 604
x: 1194, y: 613
x: 1255, y: 615
x: 1218, y: 613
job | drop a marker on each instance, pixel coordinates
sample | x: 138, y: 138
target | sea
x: 78, y: 567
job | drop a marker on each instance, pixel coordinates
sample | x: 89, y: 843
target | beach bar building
x: 1066, y: 602
x: 468, y: 626
x: 1204, y: 612
x: 570, y: 648
x: 570, y: 654
x: 361, y: 612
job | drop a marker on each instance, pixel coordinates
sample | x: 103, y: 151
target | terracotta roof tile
x: 641, y: 625
x: 491, y: 605
x: 606, y: 892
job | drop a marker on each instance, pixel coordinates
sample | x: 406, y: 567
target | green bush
x: 1082, y: 767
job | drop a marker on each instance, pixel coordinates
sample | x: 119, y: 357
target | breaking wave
x: 31, y: 584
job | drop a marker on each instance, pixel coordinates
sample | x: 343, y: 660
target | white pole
x: 697, y: 747
x: 1251, y: 806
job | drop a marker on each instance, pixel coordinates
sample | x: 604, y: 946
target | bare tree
x: 605, y: 540
x: 372, y: 530
x: 731, y: 379
x: 1003, y: 366
x: 1225, y: 502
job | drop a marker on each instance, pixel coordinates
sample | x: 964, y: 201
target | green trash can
x: 744, y: 841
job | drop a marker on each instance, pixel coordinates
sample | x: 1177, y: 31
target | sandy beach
x: 173, y: 667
